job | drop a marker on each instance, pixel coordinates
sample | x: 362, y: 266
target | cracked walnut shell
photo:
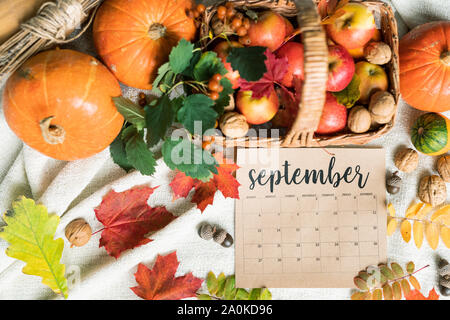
x: 432, y: 190
x: 406, y: 160
x: 78, y: 232
x: 443, y: 167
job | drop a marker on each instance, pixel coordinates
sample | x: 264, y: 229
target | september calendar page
x: 309, y: 218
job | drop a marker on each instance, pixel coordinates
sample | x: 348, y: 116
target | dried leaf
x: 410, y: 266
x: 387, y: 292
x: 445, y: 236
x: 360, y: 284
x: 405, y: 287
x: 432, y: 234
x: 391, y: 226
x: 359, y: 295
x: 128, y: 219
x: 418, y: 229
x: 424, y: 211
x: 413, y: 209
x: 211, y: 283
x: 387, y: 272
x: 160, y: 283
x: 439, y: 214
x: 377, y: 294
x: 391, y: 210
x: 405, y: 229
x: 417, y: 295
x: 414, y: 282
x: 398, y: 270
x: 363, y: 275
x: 397, y: 290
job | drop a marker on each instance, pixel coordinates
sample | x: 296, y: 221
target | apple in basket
x: 268, y: 31
x: 352, y: 26
x: 257, y: 111
x: 334, y: 116
x: 293, y: 51
x: 373, y: 78
x: 222, y: 50
x: 341, y: 68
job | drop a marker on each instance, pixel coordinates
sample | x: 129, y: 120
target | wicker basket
x: 301, y: 134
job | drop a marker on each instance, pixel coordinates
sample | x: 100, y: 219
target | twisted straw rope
x: 53, y: 23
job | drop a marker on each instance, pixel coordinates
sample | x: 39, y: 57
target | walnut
x: 78, y: 232
x: 359, y: 119
x: 443, y: 167
x: 382, y: 107
x: 378, y: 53
x: 233, y: 125
x: 432, y: 190
x: 406, y: 160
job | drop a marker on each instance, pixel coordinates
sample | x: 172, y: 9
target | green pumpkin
x: 431, y: 134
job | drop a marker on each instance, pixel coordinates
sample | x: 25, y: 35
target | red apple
x: 341, y: 68
x: 257, y: 111
x: 293, y: 51
x: 268, y: 31
x: 352, y: 26
x: 289, y: 27
x: 373, y: 78
x: 334, y: 116
x: 222, y: 50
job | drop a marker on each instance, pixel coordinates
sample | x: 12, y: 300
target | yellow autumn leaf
x: 391, y: 226
x: 418, y: 229
x: 432, y: 234
x: 414, y: 282
x: 405, y: 229
x: 445, y: 236
x: 30, y: 230
x: 424, y: 211
x: 413, y: 209
x: 391, y: 210
x: 439, y: 214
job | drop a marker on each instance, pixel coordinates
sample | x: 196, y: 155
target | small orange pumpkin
x: 59, y: 102
x: 135, y: 37
x: 425, y: 67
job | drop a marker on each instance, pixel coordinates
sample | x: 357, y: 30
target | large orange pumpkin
x: 425, y: 67
x: 135, y: 37
x: 59, y: 102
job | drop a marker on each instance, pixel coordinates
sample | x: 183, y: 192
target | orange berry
x: 246, y: 23
x: 196, y: 14
x: 201, y: 8
x: 236, y: 23
x: 245, y: 40
x: 230, y: 13
x: 217, y: 77
x: 220, y: 89
x: 221, y: 11
x: 214, y: 95
x: 213, y: 85
x: 241, y: 31
x: 229, y: 5
x: 240, y: 15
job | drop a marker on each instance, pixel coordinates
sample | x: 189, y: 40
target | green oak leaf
x: 159, y: 117
x: 208, y: 65
x: 351, y: 94
x: 197, y: 107
x: 181, y: 55
x: 249, y: 61
x: 132, y: 112
x: 183, y: 155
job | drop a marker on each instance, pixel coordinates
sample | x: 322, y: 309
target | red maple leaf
x: 160, y: 283
x: 128, y: 218
x: 276, y: 70
x: 417, y: 295
x: 204, y: 191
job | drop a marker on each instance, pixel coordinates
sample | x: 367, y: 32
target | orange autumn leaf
x: 204, y: 191
x: 128, y: 218
x: 417, y: 295
x: 160, y: 283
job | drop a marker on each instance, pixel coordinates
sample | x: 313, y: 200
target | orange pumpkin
x: 59, y: 102
x: 135, y: 37
x: 425, y: 67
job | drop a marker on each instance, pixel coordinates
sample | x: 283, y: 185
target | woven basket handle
x: 316, y: 75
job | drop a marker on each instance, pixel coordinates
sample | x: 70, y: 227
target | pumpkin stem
x: 52, y: 133
x: 156, y: 31
x: 445, y: 57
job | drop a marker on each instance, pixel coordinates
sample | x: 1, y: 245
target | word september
x: 309, y: 176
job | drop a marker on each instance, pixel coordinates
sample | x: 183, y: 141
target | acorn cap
x: 220, y: 236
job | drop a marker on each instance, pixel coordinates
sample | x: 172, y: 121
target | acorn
x: 206, y: 231
x: 393, y: 183
x: 444, y: 277
x: 223, y: 238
